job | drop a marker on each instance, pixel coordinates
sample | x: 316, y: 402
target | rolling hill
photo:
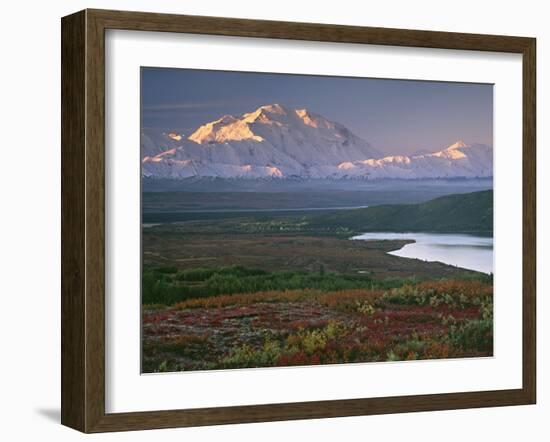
x: 469, y: 212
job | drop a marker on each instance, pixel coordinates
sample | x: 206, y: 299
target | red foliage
x: 205, y: 330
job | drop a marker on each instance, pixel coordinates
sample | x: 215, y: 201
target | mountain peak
x: 274, y: 108
x: 457, y: 145
x: 252, y: 125
x: 314, y: 120
x: 272, y: 141
x: 222, y: 130
x: 266, y: 114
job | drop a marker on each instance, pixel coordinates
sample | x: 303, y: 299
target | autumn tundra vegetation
x: 239, y: 293
x: 422, y: 320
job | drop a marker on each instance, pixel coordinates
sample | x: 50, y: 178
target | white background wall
x: 30, y: 217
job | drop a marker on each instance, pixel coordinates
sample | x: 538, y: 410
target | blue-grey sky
x: 395, y: 116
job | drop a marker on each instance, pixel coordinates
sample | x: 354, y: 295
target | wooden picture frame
x: 83, y: 220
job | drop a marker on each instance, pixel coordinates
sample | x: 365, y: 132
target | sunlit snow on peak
x: 275, y: 141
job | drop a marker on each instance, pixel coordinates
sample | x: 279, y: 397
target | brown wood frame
x: 83, y: 217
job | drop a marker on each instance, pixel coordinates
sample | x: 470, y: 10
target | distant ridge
x: 457, y: 213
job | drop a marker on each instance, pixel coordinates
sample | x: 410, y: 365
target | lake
x: 462, y: 250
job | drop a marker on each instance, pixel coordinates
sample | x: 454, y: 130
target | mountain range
x: 277, y: 142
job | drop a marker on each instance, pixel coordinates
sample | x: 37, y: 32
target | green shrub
x: 159, y: 290
x: 246, y: 356
x: 472, y: 335
x: 166, y: 270
x: 163, y: 286
x: 199, y: 274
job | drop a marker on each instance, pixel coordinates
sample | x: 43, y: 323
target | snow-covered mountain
x: 154, y: 141
x: 276, y: 142
x: 460, y: 160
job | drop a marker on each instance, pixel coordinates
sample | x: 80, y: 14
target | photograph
x: 295, y: 220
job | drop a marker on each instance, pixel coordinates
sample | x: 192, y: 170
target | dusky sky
x: 395, y: 116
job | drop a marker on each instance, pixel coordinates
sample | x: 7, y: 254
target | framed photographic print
x: 268, y: 221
